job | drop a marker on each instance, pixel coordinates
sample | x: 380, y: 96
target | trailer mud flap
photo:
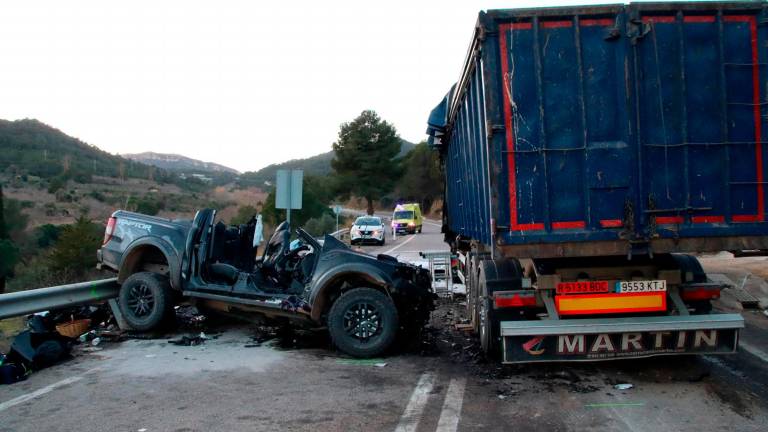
x: 618, y: 338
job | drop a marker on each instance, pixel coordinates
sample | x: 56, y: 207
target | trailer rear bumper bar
x: 618, y: 338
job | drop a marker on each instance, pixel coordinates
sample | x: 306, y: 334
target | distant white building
x: 203, y: 178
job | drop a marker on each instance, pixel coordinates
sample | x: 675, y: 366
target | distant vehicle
x: 407, y: 219
x: 367, y: 229
x: 363, y: 301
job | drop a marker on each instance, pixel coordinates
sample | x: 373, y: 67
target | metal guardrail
x: 36, y: 300
x: 340, y: 233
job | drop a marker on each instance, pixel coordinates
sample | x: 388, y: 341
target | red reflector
x: 110, y: 230
x: 582, y: 287
x: 514, y: 300
x: 700, y: 293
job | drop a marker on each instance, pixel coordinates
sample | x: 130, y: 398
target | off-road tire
x: 340, y: 329
x: 145, y: 290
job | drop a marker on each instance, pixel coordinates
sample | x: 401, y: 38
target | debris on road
x: 464, y: 327
x: 11, y: 371
x: 190, y: 316
x: 38, y: 347
x: 625, y: 386
x: 615, y: 405
x: 190, y: 340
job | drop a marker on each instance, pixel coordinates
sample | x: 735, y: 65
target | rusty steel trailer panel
x: 608, y: 124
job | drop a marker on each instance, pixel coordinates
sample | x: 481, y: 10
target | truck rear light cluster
x: 111, y: 222
x: 519, y: 298
x: 700, y: 292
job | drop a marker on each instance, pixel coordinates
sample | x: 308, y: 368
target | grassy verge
x: 8, y: 329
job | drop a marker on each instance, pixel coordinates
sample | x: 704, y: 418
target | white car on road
x: 367, y: 229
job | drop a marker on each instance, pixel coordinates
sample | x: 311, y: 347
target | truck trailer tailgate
x: 616, y: 338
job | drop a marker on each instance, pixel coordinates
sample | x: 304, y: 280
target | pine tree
x: 9, y: 254
x: 365, y: 161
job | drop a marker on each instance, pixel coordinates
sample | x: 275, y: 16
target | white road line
x: 410, y: 419
x: 47, y: 389
x: 755, y: 351
x: 400, y: 245
x: 433, y: 224
x: 449, y: 417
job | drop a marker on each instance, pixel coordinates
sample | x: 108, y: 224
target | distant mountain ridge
x: 176, y: 162
x: 32, y: 147
x: 318, y: 165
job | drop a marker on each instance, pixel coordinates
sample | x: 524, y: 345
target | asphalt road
x: 150, y: 385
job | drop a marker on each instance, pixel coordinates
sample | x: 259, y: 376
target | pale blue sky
x: 241, y: 83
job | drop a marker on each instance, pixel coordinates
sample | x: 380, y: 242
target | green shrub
x: 46, y: 235
x: 56, y: 183
x: 325, y: 224
x: 98, y: 196
x: 75, y: 250
x: 244, y: 214
x: 147, y: 206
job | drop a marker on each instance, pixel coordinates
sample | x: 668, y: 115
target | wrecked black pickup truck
x: 364, y: 301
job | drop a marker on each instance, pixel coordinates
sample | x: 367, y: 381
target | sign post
x: 289, y: 191
x: 337, y: 210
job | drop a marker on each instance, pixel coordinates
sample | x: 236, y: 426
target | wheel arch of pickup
x: 150, y: 254
x: 330, y: 284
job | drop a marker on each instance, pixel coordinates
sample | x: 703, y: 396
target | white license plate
x: 641, y: 286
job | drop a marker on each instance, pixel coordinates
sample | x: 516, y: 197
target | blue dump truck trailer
x: 588, y: 152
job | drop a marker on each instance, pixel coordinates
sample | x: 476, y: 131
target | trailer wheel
x: 472, y: 296
x: 488, y: 324
x: 495, y: 275
x: 145, y: 300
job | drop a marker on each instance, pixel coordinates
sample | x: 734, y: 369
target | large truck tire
x: 692, y: 271
x: 145, y: 300
x: 494, y: 275
x: 363, y: 322
x: 472, y: 294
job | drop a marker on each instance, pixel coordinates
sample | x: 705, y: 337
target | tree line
x: 46, y: 255
x: 367, y: 164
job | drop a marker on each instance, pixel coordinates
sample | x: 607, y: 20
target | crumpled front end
x: 413, y: 294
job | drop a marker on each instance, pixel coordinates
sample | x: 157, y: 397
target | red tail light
x: 702, y: 292
x: 110, y: 229
x: 517, y: 298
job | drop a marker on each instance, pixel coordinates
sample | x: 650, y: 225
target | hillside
x: 30, y: 147
x: 313, y: 166
x: 175, y: 162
